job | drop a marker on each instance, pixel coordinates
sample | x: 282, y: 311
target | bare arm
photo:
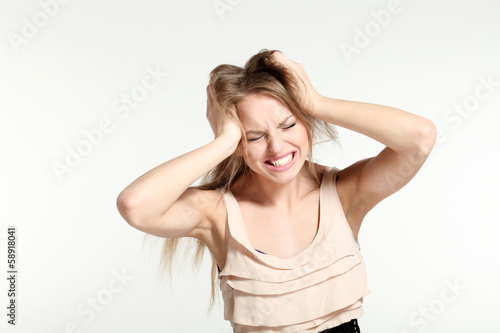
x: 408, y: 139
x: 159, y: 202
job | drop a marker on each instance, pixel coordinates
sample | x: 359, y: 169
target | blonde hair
x: 260, y: 75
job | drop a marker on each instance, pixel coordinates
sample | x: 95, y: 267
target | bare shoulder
x: 349, y: 194
x: 348, y: 177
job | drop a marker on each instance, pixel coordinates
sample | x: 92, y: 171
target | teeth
x: 283, y: 161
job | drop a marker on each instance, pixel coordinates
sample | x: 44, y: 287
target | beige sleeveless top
x: 321, y: 287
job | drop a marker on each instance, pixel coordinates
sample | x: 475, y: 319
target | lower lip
x: 284, y: 167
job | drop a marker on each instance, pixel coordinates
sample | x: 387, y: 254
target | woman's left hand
x: 309, y: 95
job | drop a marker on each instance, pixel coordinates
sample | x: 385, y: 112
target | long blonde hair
x: 260, y: 75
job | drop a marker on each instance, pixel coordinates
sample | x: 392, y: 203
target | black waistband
x: 349, y: 327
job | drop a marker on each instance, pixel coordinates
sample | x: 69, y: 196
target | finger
x: 211, y: 92
x: 282, y: 59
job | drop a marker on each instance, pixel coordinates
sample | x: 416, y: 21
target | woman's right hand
x: 221, y: 121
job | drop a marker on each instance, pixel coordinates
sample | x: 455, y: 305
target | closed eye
x: 255, y: 139
x: 259, y: 137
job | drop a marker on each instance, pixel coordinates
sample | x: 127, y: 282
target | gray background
x: 432, y: 247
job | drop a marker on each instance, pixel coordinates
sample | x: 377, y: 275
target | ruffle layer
x: 319, y: 324
x: 256, y: 287
x: 334, y: 252
x: 300, y: 306
x: 320, y: 288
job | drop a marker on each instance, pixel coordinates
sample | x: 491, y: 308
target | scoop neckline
x: 272, y: 259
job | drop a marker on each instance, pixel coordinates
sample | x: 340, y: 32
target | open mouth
x: 282, y: 161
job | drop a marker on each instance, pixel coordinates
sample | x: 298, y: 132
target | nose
x: 274, y: 144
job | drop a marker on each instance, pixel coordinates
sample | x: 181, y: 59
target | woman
x: 281, y: 229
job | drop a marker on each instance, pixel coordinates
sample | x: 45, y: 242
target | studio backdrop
x: 95, y: 93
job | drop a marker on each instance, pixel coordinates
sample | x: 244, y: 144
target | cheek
x: 304, y: 134
x: 255, y: 152
x: 299, y: 137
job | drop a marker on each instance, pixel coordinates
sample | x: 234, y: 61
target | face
x: 277, y: 143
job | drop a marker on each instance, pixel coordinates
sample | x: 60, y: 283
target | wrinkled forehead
x: 261, y: 111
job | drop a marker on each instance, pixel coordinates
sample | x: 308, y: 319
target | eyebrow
x: 279, y: 125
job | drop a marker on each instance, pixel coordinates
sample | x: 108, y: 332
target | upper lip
x: 278, y: 157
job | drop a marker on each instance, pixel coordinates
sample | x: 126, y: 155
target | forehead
x: 260, y: 111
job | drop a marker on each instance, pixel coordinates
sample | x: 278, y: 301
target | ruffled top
x: 321, y: 287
